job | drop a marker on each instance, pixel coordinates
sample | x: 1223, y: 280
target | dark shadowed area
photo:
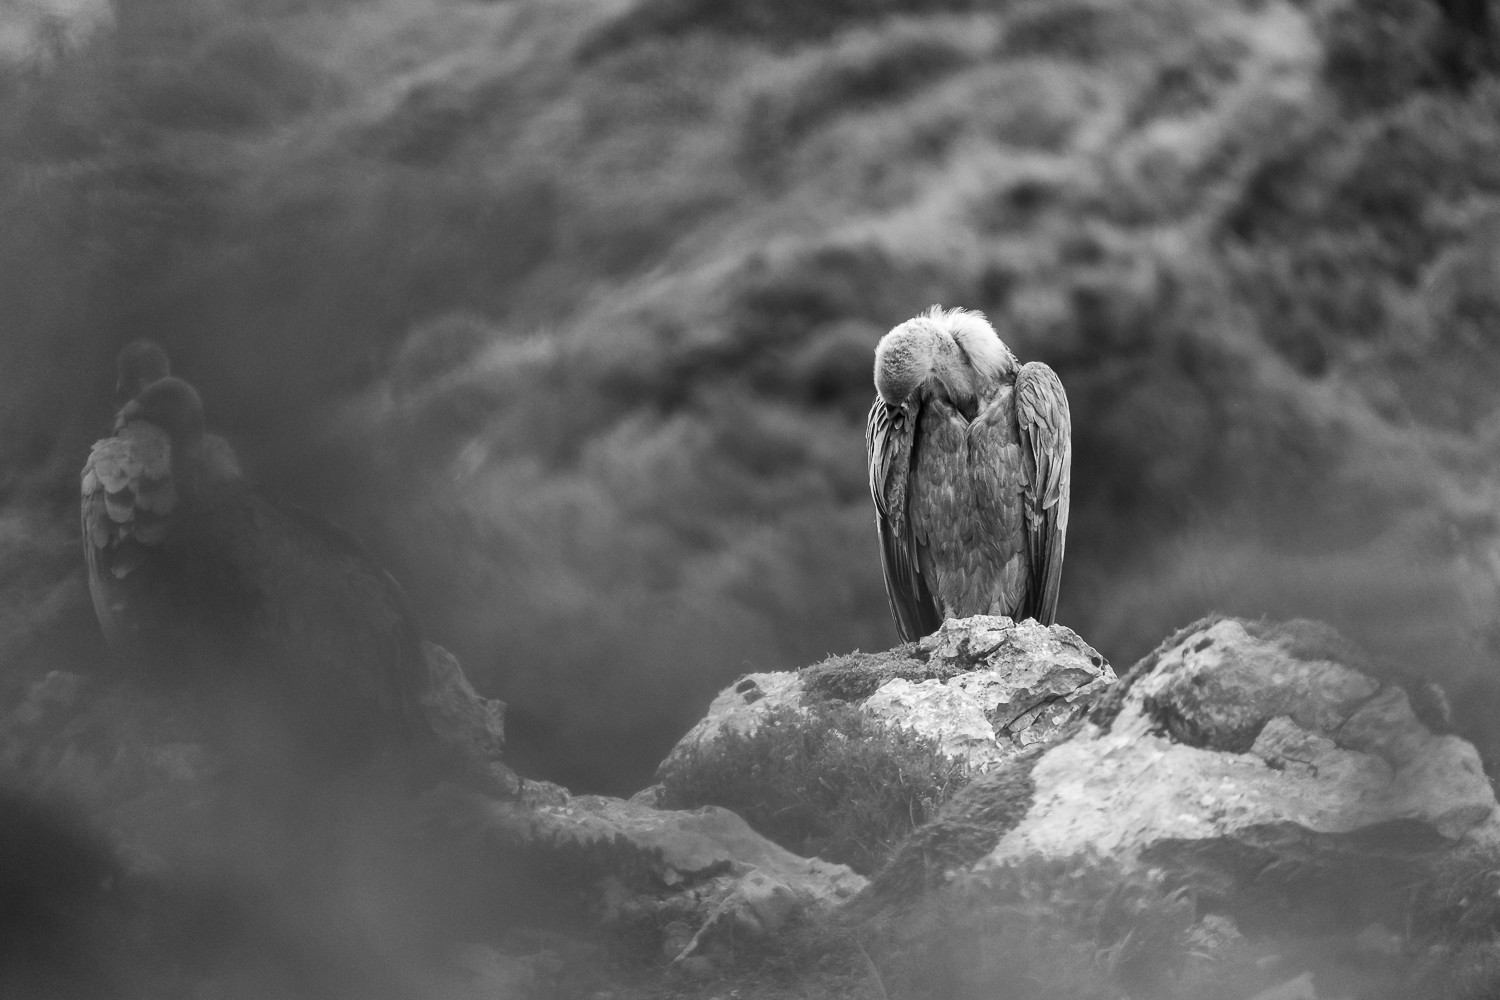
x: 567, y: 308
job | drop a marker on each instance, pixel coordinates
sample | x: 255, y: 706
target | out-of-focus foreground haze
x: 568, y: 309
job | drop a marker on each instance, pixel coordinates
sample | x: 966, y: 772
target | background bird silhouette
x: 139, y: 363
x: 194, y: 574
x: 970, y: 461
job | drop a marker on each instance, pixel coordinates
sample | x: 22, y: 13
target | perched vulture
x: 191, y: 570
x: 970, y: 460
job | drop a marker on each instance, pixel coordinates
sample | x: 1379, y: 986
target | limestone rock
x: 740, y: 707
x: 944, y: 711
x: 1230, y: 731
x: 1250, y: 762
x: 679, y: 847
x: 468, y: 726
x: 983, y: 688
x: 689, y: 874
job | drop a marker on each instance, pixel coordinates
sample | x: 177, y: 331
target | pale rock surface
x: 1229, y: 733
x: 741, y: 707
x: 682, y: 845
x: 705, y: 869
x: 941, y: 710
x: 983, y: 688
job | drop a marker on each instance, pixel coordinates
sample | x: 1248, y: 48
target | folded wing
x: 890, y: 440
x: 1046, y: 433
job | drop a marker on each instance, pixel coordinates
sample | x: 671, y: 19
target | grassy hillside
x: 568, y: 308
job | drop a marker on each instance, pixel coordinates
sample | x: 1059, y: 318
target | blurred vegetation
x: 1080, y: 928
x: 1076, y: 928
x: 824, y: 781
x: 567, y: 308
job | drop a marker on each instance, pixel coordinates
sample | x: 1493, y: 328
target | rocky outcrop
x: 1257, y: 782
x: 469, y: 726
x: 1235, y: 727
x: 1257, y: 766
x: 983, y: 688
x: 682, y: 878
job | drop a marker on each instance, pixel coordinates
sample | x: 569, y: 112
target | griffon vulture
x: 191, y: 570
x: 970, y: 462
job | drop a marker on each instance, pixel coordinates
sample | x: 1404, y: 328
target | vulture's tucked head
x: 955, y: 348
x: 172, y: 405
x: 140, y: 363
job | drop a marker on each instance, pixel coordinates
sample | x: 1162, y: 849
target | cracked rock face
x: 984, y: 688
x: 1020, y: 684
x: 1236, y: 731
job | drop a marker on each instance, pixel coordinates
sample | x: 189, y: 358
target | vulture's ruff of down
x: 970, y: 459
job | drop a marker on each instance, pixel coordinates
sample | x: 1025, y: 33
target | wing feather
x: 126, y: 501
x: 1047, y: 438
x: 890, y: 443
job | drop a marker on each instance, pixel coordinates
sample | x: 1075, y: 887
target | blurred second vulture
x: 193, y: 572
x: 970, y: 457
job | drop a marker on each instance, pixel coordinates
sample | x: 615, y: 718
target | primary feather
x: 970, y: 462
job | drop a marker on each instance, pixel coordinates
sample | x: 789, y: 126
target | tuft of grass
x: 825, y: 781
x: 1460, y: 903
x: 1304, y: 639
x: 966, y: 829
x: 855, y: 676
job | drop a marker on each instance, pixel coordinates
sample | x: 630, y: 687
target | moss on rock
x: 853, y: 677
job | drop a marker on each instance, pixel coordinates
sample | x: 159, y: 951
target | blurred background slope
x: 568, y: 307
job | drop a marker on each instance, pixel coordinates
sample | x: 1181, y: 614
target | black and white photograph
x: 749, y: 499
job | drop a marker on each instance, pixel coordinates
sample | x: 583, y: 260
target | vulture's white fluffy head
x: 954, y: 347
